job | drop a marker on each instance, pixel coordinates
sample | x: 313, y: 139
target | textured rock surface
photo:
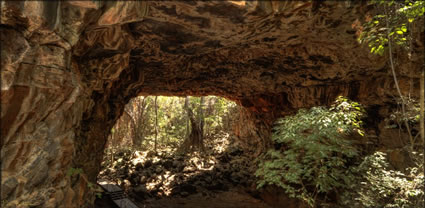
x: 68, y: 68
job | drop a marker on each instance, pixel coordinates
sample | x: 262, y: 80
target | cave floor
x: 219, y: 178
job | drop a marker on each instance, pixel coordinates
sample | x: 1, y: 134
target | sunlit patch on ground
x: 160, y: 172
x: 198, y: 162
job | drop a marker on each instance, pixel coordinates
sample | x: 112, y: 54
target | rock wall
x: 44, y: 98
x: 68, y: 69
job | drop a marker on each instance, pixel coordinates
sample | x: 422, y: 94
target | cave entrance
x: 153, y: 122
x: 168, y: 149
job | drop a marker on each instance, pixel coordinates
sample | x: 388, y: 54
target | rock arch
x: 68, y: 69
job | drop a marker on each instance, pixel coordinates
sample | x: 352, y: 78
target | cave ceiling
x: 233, y: 49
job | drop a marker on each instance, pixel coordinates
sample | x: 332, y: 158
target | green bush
x: 393, y: 24
x: 378, y: 186
x: 314, y: 155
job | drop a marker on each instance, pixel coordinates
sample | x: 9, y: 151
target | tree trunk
x: 403, y: 103
x: 132, y: 126
x: 156, y: 122
x: 422, y: 117
x: 186, y: 104
x: 138, y: 139
x: 201, y: 119
x: 195, y: 139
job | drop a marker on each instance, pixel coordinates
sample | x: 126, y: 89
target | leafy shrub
x: 393, y: 25
x: 313, y: 160
x: 378, y: 186
x: 411, y: 115
x: 74, y: 171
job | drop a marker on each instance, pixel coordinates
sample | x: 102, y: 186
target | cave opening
x: 70, y: 67
x: 165, y: 150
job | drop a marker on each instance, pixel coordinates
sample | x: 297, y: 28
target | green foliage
x: 315, y: 155
x: 172, y: 119
x: 95, y: 189
x: 4, y: 203
x: 74, y: 171
x: 393, y: 25
x: 92, y: 187
x: 411, y: 115
x: 378, y: 186
x: 98, y: 195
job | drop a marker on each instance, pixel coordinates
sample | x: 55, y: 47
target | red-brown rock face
x: 68, y: 68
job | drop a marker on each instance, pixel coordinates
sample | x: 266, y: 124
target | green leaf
x: 316, y: 150
x: 404, y: 28
x: 399, y: 32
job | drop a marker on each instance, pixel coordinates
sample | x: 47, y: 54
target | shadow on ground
x: 222, y: 176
